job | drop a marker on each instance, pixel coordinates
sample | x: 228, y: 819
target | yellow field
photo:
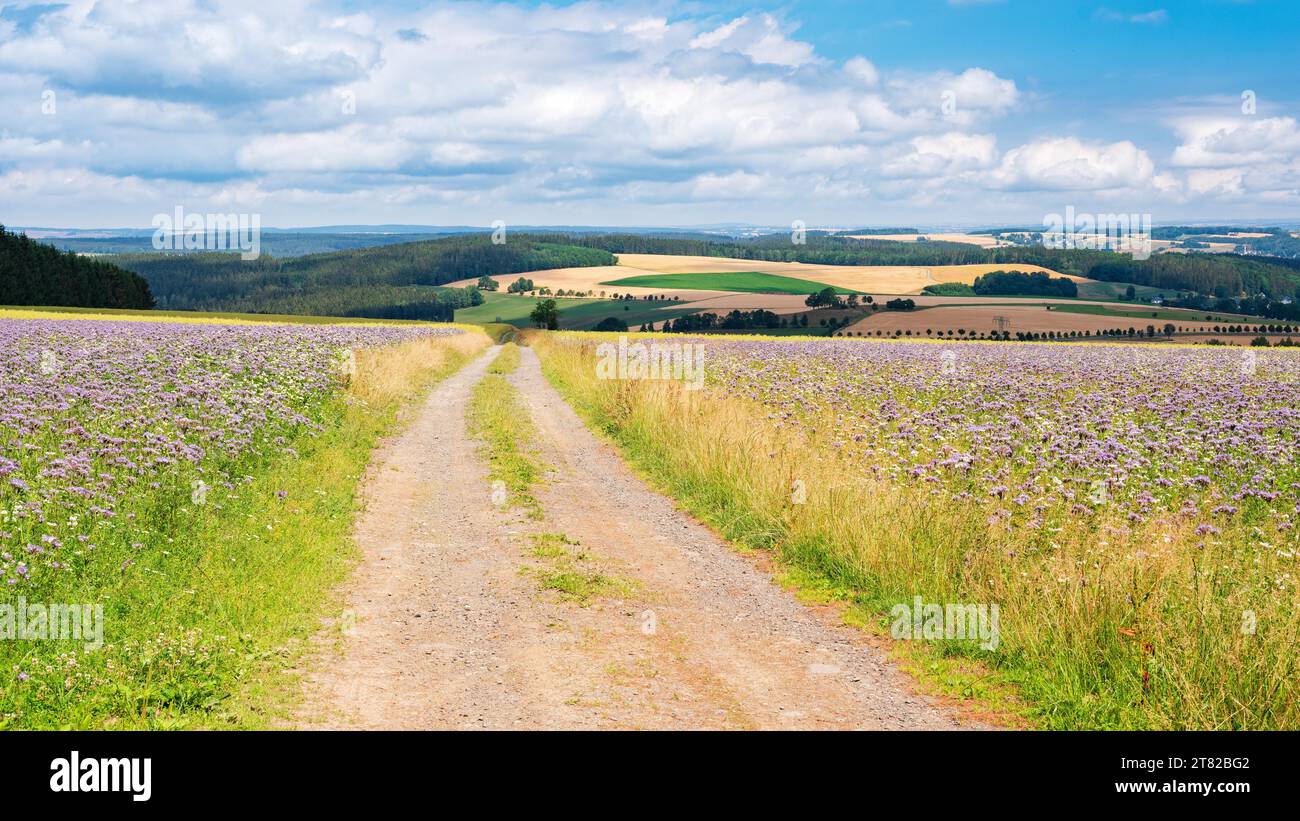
x: 1212, y: 248
x: 872, y: 279
x: 195, y: 317
x: 982, y: 240
x: 590, y: 279
x: 883, y: 278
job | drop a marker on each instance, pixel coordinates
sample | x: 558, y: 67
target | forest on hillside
x: 382, y: 281
x: 275, y: 243
x: 1214, y: 274
x: 407, y: 279
x: 33, y: 273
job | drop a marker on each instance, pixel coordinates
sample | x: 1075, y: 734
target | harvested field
x: 590, y: 279
x: 881, y: 279
x: 981, y: 319
x: 776, y: 303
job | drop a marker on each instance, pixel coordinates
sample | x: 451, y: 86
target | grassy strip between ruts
x: 498, y: 418
x: 572, y: 573
x: 211, y: 636
x: 645, y: 418
x: 1145, y: 650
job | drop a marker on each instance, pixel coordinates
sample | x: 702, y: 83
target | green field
x: 512, y: 309
x: 575, y: 314
x: 1116, y: 290
x: 749, y: 282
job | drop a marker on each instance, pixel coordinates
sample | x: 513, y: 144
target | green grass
x: 211, y: 626
x: 573, y: 575
x: 499, y: 332
x: 1115, y: 290
x: 511, y: 309
x: 552, y: 545
x: 497, y: 416
x: 507, y: 361
x: 749, y: 282
x: 1159, y: 646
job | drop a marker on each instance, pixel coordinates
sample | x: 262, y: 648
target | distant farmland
x: 751, y: 282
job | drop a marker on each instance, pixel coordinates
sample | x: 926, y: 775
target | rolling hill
x: 33, y: 273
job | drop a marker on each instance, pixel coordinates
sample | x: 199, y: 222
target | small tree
x: 613, y: 324
x: 547, y: 315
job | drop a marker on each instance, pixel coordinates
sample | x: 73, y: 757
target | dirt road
x: 454, y: 627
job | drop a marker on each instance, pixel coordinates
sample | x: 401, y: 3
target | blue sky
x: 649, y: 113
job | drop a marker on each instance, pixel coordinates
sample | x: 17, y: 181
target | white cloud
x: 1224, y: 143
x: 736, y: 185
x: 473, y: 111
x: 1069, y: 164
x: 27, y: 150
x: 1218, y: 181
x: 945, y: 154
x: 760, y: 38
x: 862, y: 70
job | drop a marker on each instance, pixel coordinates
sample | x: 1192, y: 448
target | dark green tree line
x: 33, y: 273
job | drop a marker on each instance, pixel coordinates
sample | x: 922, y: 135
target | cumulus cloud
x: 543, y: 104
x: 1069, y: 164
x: 944, y: 154
x: 473, y: 111
x: 760, y: 38
x: 1223, y: 143
x: 224, y: 51
x: 862, y: 70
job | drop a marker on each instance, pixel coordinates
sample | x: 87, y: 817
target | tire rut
x: 447, y: 624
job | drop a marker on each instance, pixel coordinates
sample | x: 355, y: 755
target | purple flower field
x: 96, y: 414
x: 1041, y: 431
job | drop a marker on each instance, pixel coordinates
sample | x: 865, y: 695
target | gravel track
x: 450, y: 628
